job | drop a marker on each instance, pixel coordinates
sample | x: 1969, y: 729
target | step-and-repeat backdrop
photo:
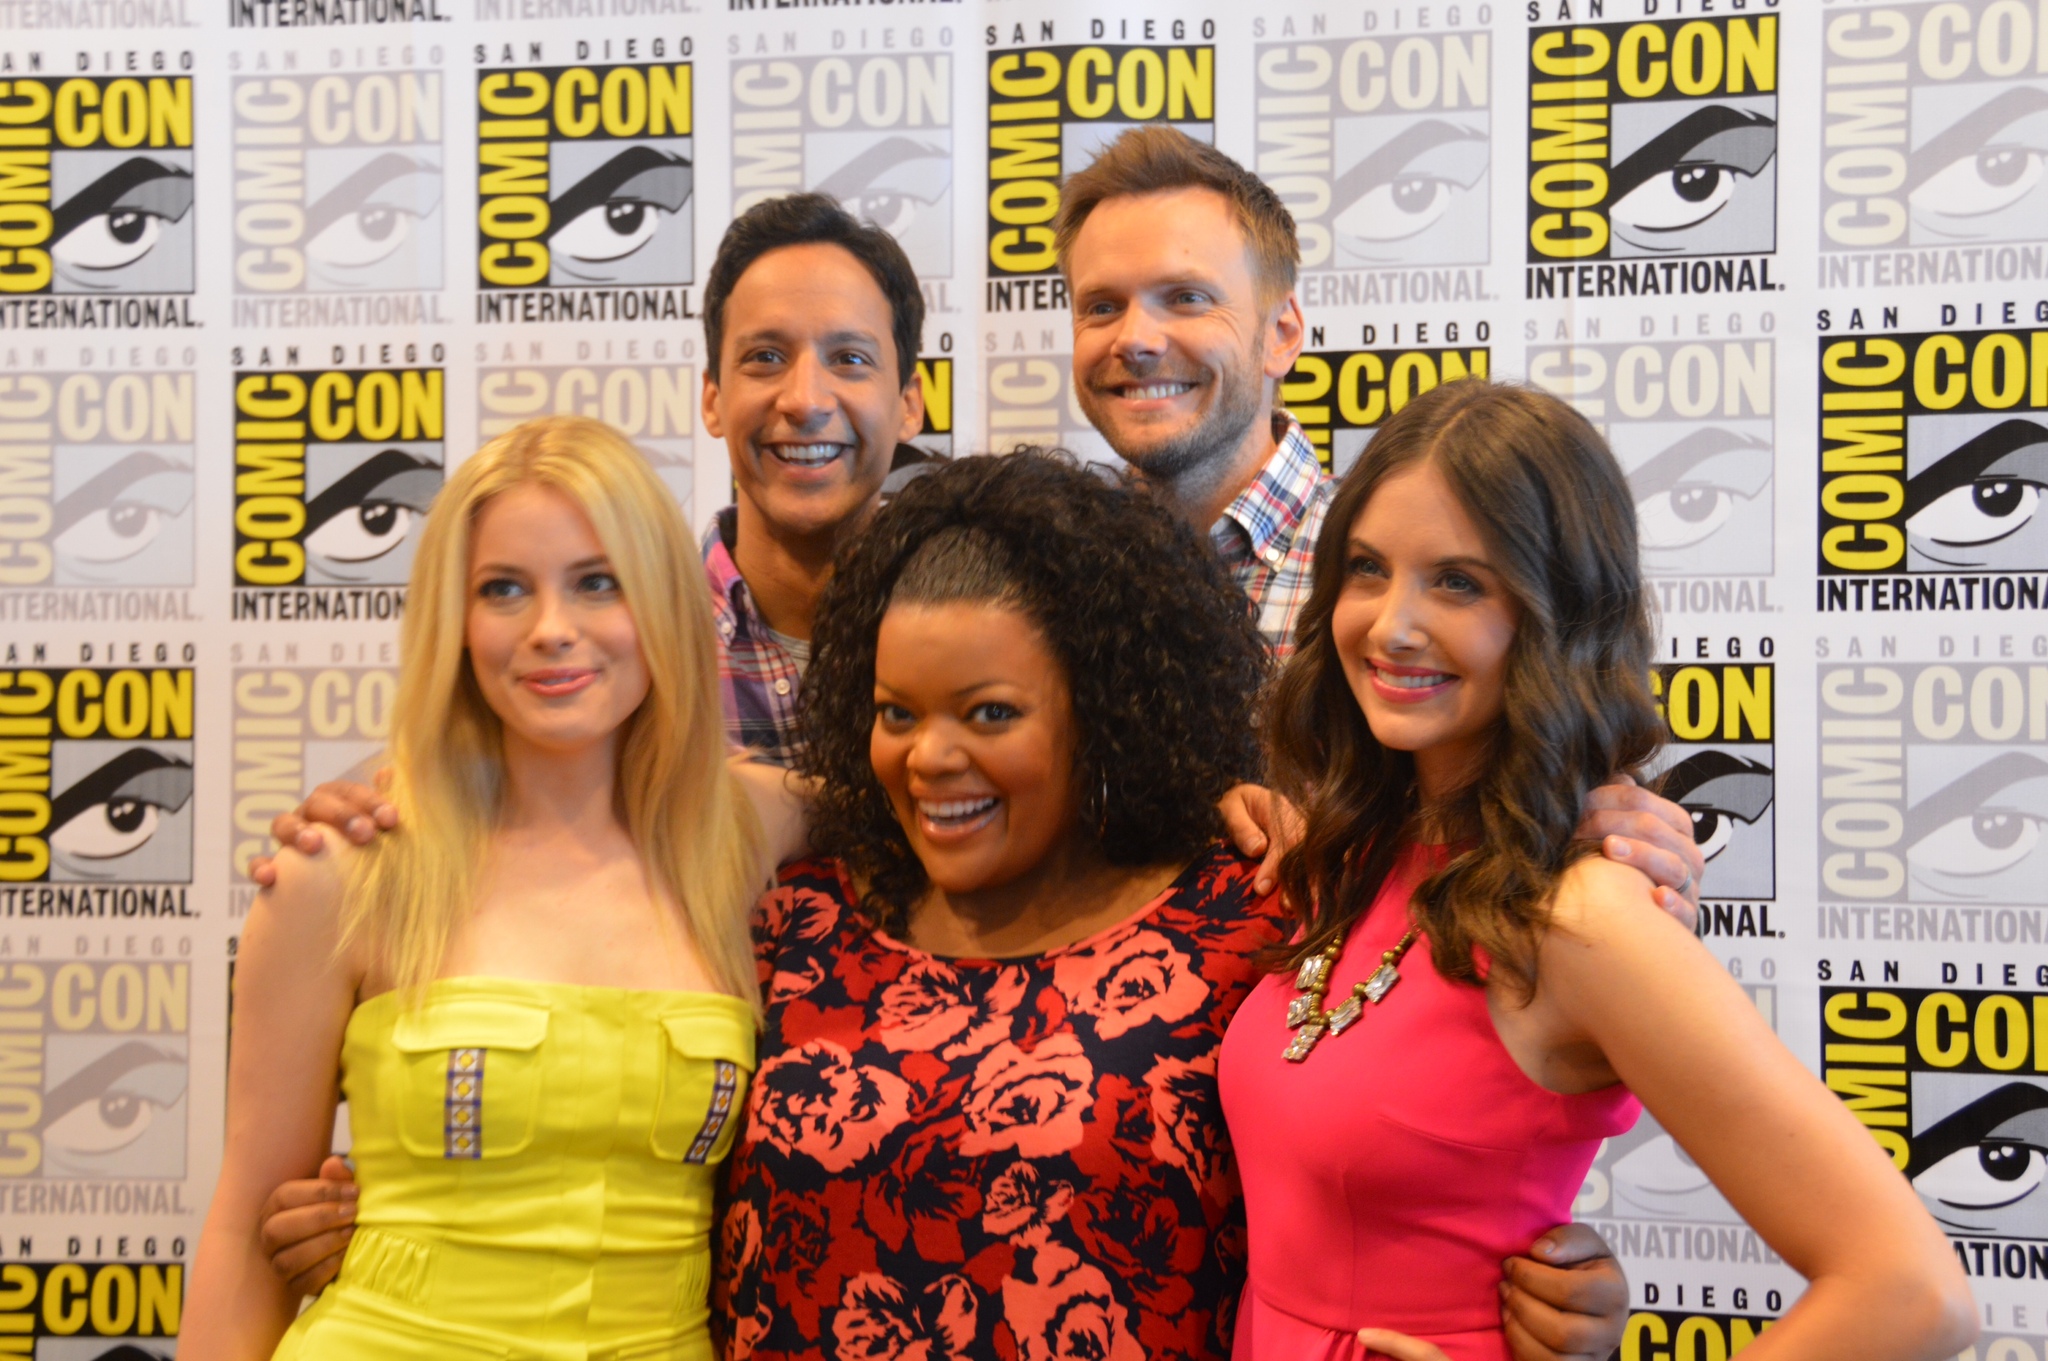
x: 268, y: 266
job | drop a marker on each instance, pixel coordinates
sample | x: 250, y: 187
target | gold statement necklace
x: 1306, y: 1015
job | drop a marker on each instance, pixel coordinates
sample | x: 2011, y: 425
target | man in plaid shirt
x: 1181, y: 337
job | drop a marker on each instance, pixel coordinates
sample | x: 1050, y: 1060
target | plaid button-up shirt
x: 1267, y: 536
x: 757, y: 676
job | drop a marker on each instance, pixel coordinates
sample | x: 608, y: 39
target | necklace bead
x: 1306, y: 1016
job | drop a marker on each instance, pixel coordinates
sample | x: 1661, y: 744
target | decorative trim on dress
x: 463, y: 1111
x: 725, y: 1084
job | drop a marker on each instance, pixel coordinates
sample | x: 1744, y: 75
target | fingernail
x: 348, y: 1209
x: 359, y: 829
x: 386, y: 814
x: 1620, y: 849
x: 349, y: 1190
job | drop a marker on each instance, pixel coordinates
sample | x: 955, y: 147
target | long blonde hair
x: 686, y: 814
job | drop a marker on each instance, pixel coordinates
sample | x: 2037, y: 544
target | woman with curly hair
x: 985, y: 1120
x: 1474, y: 656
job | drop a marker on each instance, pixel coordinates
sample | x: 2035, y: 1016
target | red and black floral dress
x: 1019, y: 1158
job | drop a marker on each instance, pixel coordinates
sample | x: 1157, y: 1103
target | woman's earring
x: 1102, y: 815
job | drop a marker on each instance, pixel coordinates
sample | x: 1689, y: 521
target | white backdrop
x: 266, y: 266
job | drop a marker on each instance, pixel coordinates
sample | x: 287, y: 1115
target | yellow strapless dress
x: 537, y: 1169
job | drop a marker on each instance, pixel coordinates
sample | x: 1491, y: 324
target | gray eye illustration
x: 618, y: 208
x: 1685, y: 176
x: 115, y: 221
x: 113, y: 812
x: 1979, y: 494
x: 371, y: 510
x: 1406, y: 186
x: 1968, y: 181
x: 892, y: 182
x: 1689, y: 491
x: 1975, y: 838
x: 1982, y: 1165
x: 113, y: 1101
x: 120, y: 511
x: 1719, y: 789
x: 373, y: 213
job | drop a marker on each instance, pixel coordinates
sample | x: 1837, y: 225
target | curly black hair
x: 1155, y: 640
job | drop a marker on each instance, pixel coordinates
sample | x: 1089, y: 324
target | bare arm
x: 783, y: 804
x: 292, y: 1002
x: 1795, y: 1164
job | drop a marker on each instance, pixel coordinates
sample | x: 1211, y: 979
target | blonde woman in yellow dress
x: 539, y: 999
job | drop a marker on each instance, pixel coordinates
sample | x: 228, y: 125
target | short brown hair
x: 1157, y: 159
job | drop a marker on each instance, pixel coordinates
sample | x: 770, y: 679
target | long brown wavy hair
x: 1561, y: 532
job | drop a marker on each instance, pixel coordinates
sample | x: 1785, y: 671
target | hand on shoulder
x: 311, y: 883
x: 1596, y: 896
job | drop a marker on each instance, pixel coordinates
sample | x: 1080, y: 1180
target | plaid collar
x: 731, y: 602
x: 1281, y: 494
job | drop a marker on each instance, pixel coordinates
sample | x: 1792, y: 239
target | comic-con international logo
x: 1949, y: 1081
x: 297, y: 727
x: 654, y: 405
x: 1051, y: 110
x: 333, y: 471
x: 585, y: 176
x: 1341, y: 397
x: 1027, y: 389
x: 92, y: 1311
x: 1380, y: 148
x: 872, y: 130
x: 338, y: 187
x: 93, y: 1070
x: 1718, y: 764
x: 1934, y: 130
x: 1653, y: 151
x: 1692, y: 423
x: 96, y: 191
x: 1933, y: 461
x: 1934, y: 790
x: 96, y: 479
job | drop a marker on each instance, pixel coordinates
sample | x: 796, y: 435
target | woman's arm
x: 1884, y: 1285
x: 292, y: 1001
x: 781, y: 801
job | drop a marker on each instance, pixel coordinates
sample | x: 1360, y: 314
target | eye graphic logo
x: 1051, y: 111
x: 338, y: 182
x: 1691, y: 423
x: 873, y: 132
x: 1719, y: 766
x: 98, y: 764
x: 50, y: 1307
x: 99, y: 474
x: 1934, y: 458
x: 96, y: 185
x: 654, y: 405
x: 1380, y: 147
x: 1934, y: 784
x: 1936, y: 127
x: 1935, y: 1076
x: 1342, y: 396
x: 585, y: 176
x: 1654, y: 141
x: 334, y: 471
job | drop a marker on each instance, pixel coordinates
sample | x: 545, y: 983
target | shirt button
x: 782, y: 687
x: 1273, y: 557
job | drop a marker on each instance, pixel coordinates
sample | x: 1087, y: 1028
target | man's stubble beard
x: 1207, y: 451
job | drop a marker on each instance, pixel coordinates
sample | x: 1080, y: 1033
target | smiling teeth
x: 951, y: 809
x: 1414, y: 682
x: 808, y: 455
x: 1154, y: 391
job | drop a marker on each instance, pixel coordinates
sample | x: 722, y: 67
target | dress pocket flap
x: 712, y: 1035
x: 470, y: 1023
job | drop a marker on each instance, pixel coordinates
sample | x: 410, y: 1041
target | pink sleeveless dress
x: 1388, y: 1176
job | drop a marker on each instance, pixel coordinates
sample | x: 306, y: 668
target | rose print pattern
x: 1018, y: 1159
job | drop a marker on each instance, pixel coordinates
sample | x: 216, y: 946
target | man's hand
x: 1567, y: 1300
x: 1260, y: 823
x: 307, y: 1225
x: 1639, y: 828
x: 356, y: 810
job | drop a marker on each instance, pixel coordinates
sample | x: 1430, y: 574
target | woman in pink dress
x: 1473, y: 1001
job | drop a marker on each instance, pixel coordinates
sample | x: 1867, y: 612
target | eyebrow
x: 961, y: 693
x: 774, y: 337
x: 581, y: 564
x: 1361, y: 546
